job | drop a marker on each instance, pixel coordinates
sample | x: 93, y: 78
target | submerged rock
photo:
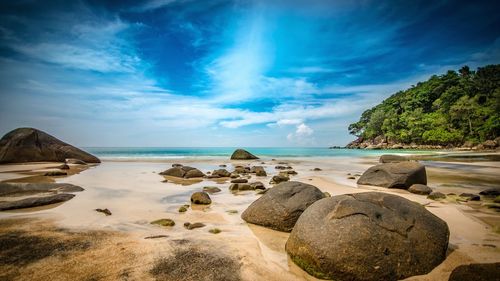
x: 201, y: 198
x: 279, y: 179
x: 164, y: 222
x: 32, y: 145
x: 280, y: 207
x: 476, y: 272
x: 367, y: 236
x: 435, y: 195
x: 470, y: 196
x: 191, y: 226
x: 392, y: 158
x: 420, y: 189
x: 211, y: 189
x: 395, y: 175
x: 241, y: 154
x: 55, y: 174
x: 20, y: 188
x: 106, y: 211
x: 35, y: 201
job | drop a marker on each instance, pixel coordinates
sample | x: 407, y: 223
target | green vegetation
x: 453, y: 108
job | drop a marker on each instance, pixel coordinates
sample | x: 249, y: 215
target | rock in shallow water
x: 201, y: 198
x: 395, y: 175
x: 280, y: 207
x: 367, y: 236
x: 420, y: 189
x: 476, y: 272
x: 35, y: 201
x: 241, y: 154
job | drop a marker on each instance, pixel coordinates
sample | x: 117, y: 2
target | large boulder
x: 31, y: 202
x: 281, y: 206
x: 201, y: 197
x: 476, y: 272
x: 32, y: 145
x: 392, y: 158
x: 367, y: 236
x: 241, y: 154
x: 395, y: 175
x: 183, y: 172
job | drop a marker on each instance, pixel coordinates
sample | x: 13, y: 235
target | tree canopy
x: 448, y: 109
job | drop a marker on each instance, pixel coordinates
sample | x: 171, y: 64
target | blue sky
x: 225, y: 73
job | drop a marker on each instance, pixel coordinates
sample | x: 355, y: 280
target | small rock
x: 420, y: 189
x: 239, y: 181
x: 279, y: 178
x: 194, y: 173
x: 279, y: 167
x: 64, y: 167
x: 390, y: 158
x: 201, y: 198
x: 215, y: 231
x: 470, y: 196
x: 223, y: 173
x: 182, y: 209
x: 491, y: 192
x: 164, y: 222
x: 240, y: 187
x: 191, y: 226
x: 351, y: 178
x: 232, y: 211
x: 317, y: 169
x: 257, y: 185
x: 156, y: 236
x: 476, y: 272
x: 435, y: 195
x: 106, y: 211
x: 211, y: 189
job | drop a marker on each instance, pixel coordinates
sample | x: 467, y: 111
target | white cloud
x: 302, y: 135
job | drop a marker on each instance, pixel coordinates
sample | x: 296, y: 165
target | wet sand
x: 135, y: 194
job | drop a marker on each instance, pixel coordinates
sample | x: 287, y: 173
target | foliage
x: 447, y: 109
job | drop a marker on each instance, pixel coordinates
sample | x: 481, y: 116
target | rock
x: 367, y: 236
x: 289, y: 172
x: 240, y: 187
x: 176, y: 165
x: 258, y: 171
x: 351, y: 178
x: 64, y: 167
x: 222, y: 165
x: 234, y: 175
x: 32, y: 145
x: 279, y: 167
x: 223, y: 173
x: 279, y: 178
x: 35, y: 201
x: 164, y: 222
x: 241, y: 154
x: 201, y: 198
x: 470, y: 196
x: 317, y: 169
x: 435, y: 195
x: 211, y: 189
x: 281, y: 206
x: 327, y: 194
x: 391, y: 158
x: 18, y: 188
x: 394, y: 175
x: 257, y: 185
x: 491, y: 192
x: 489, y: 144
x: 106, y: 211
x: 182, y: 209
x: 75, y: 161
x: 174, y: 172
x: 239, y: 181
x: 215, y: 231
x: 55, y: 174
x: 191, y: 226
x: 194, y: 173
x: 476, y: 272
x: 420, y: 189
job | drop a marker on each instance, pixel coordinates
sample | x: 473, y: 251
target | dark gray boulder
x: 491, y: 192
x: 281, y: 206
x: 392, y: 158
x: 32, y: 145
x: 395, y: 175
x: 223, y: 173
x: 18, y: 188
x: 436, y: 195
x: 241, y: 154
x: 420, y: 189
x: 476, y: 272
x: 35, y: 201
x: 367, y: 236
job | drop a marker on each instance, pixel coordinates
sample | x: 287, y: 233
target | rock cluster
x: 180, y: 171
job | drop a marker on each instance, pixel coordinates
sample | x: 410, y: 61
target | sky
x: 223, y: 73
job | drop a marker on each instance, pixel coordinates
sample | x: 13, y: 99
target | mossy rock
x: 215, y: 231
x: 182, y: 209
x: 164, y: 222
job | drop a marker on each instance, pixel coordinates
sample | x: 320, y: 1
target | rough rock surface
x: 35, y: 201
x: 491, y: 192
x: 18, y: 188
x: 240, y: 187
x: 201, y: 198
x: 32, y: 145
x: 223, y: 173
x: 476, y: 272
x: 279, y: 179
x: 436, y: 195
x: 392, y: 158
x: 241, y: 154
x: 395, y: 175
x: 281, y: 206
x: 421, y: 189
x: 194, y: 173
x: 367, y: 236
x: 183, y: 172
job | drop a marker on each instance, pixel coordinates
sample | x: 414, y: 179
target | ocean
x: 208, y: 152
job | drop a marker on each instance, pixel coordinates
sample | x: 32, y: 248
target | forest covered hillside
x: 450, y: 110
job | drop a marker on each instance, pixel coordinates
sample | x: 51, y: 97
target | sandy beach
x: 125, y: 246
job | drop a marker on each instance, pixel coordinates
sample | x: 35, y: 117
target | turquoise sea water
x: 263, y: 152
